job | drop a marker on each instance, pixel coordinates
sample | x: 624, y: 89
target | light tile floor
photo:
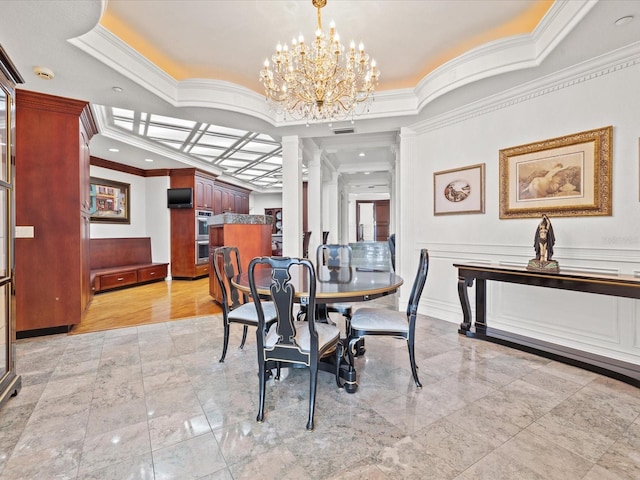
x: 153, y: 402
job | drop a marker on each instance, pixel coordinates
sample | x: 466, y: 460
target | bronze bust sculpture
x: 543, y: 245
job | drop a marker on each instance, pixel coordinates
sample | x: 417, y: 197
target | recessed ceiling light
x: 117, y: 89
x: 361, y: 154
x: 148, y: 159
x: 623, y: 20
x: 367, y: 173
x: 114, y: 150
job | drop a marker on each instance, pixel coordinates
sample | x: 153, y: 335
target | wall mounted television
x: 180, y: 198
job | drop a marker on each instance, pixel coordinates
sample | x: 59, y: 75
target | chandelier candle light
x: 319, y: 82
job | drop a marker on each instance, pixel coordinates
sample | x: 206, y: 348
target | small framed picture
x: 109, y: 201
x: 460, y: 190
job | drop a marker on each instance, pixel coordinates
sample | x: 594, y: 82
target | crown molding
x: 505, y: 55
x: 609, y: 63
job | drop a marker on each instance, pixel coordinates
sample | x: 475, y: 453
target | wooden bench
x: 120, y: 262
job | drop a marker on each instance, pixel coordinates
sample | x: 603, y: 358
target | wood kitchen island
x: 251, y: 234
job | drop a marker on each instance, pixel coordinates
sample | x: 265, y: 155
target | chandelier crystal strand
x: 319, y: 81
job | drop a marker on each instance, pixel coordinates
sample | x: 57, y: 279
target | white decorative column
x: 314, y: 202
x: 291, y: 196
x: 405, y: 236
x: 344, y: 213
x: 331, y: 207
x: 393, y: 190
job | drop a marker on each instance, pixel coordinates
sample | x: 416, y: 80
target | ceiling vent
x: 343, y: 131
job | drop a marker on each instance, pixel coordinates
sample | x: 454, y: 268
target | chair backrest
x: 333, y: 255
x: 306, y: 236
x: 392, y: 249
x: 325, y: 237
x: 226, y: 264
x: 418, y: 283
x: 282, y: 294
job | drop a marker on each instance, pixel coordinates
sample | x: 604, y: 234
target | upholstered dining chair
x: 235, y: 306
x: 306, y: 237
x: 334, y: 255
x: 289, y: 341
x: 380, y: 321
x: 392, y: 250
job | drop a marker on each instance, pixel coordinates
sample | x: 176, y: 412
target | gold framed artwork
x: 561, y: 177
x: 109, y: 201
x: 460, y: 190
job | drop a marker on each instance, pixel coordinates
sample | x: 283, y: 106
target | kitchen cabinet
x: 186, y: 259
x: 204, y: 187
x: 230, y: 199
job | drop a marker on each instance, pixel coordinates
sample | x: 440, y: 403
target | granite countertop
x: 242, y: 218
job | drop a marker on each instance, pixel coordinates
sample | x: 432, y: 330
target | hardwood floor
x: 151, y: 303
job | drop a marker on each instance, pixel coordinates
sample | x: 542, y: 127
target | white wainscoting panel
x: 600, y: 324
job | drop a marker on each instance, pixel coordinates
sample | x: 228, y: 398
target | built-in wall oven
x: 202, y: 251
x: 202, y: 224
x: 202, y: 236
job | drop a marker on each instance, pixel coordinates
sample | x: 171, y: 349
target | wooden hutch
x: 53, y: 288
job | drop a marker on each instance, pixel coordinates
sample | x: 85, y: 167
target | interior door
x: 381, y: 216
x: 372, y: 220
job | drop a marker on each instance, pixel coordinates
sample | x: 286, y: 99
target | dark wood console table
x: 616, y: 285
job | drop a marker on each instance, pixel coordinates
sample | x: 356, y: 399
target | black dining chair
x: 236, y: 308
x: 291, y: 342
x: 306, y: 237
x: 379, y: 321
x: 392, y: 250
x: 335, y: 256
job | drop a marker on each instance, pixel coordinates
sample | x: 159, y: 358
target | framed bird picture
x: 460, y: 190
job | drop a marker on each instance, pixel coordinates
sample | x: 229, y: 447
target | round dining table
x: 341, y: 284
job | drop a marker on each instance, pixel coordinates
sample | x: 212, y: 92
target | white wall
x: 259, y: 201
x: 597, y: 95
x: 148, y: 212
x: 158, y: 219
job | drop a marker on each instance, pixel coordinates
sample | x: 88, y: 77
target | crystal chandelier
x: 319, y: 81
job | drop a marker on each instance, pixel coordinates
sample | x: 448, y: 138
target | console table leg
x: 481, y: 306
x: 463, y: 285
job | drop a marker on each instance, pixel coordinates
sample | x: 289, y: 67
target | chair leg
x: 412, y: 359
x: 245, y: 329
x: 359, y: 348
x: 313, y: 382
x: 350, y: 351
x: 339, y: 355
x: 263, y: 383
x: 225, y: 342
